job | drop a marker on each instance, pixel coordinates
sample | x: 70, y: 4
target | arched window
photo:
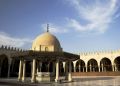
x: 46, y: 48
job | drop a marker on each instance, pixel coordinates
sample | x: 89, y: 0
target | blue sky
x: 80, y: 25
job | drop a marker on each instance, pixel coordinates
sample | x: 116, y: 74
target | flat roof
x: 45, y: 55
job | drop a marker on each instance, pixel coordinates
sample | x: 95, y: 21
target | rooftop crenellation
x: 4, y: 47
x: 100, y: 52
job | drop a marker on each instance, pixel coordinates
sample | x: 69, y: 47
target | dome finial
x: 47, y: 27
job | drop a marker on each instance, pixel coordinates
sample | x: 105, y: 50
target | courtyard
x: 77, y: 81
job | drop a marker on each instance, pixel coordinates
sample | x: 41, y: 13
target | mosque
x: 46, y: 61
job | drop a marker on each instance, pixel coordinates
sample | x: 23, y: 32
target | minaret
x: 47, y: 27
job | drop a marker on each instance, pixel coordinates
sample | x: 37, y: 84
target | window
x: 46, y: 48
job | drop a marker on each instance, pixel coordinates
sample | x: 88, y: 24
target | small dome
x: 46, y: 40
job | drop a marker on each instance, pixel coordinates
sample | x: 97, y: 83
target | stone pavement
x: 77, y: 81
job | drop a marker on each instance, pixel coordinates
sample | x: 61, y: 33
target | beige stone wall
x: 50, y: 48
x: 98, y: 56
x: 44, y: 48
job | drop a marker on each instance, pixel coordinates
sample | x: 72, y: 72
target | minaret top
x: 47, y: 27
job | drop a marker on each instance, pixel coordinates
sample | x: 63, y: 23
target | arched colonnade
x: 12, y: 69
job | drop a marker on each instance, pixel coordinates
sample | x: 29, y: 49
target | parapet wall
x: 9, y: 48
x: 99, y: 52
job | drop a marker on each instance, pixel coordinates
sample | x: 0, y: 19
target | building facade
x: 101, y: 61
x: 89, y: 62
x: 45, y: 62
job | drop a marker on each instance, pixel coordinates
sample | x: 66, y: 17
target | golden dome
x: 46, y: 40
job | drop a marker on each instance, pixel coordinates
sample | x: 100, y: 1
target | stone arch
x: 117, y: 63
x: 92, y: 65
x: 4, y: 65
x: 80, y: 65
x: 105, y: 64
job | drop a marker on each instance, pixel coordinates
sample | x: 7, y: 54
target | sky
x: 79, y: 25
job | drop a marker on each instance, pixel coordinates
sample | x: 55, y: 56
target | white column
x: 74, y: 67
x: 34, y: 71
x: 90, y: 68
x: 69, y: 74
x: 116, y: 67
x: 102, y: 67
x: 20, y: 70
x: 9, y: 65
x: 83, y: 69
x: 24, y: 69
x: 64, y: 66
x: 99, y: 68
x: 113, y: 68
x: 57, y: 71
x: 37, y: 66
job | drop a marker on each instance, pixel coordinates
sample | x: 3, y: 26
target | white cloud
x: 54, y: 28
x: 98, y: 15
x: 6, y: 39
